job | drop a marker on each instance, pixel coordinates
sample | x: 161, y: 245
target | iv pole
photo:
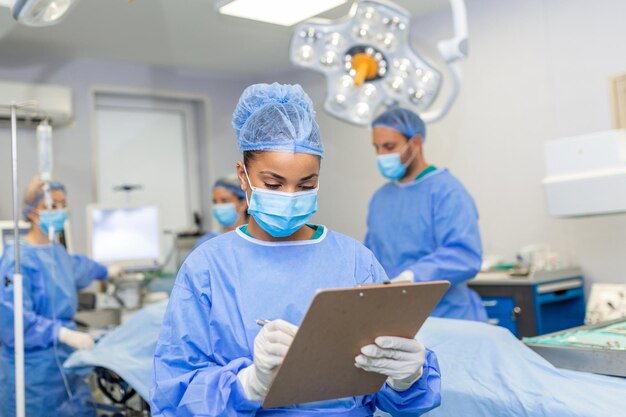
x: 18, y: 306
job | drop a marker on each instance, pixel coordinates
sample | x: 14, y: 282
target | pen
x: 262, y: 322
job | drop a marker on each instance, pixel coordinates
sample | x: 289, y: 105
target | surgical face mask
x: 279, y: 213
x: 391, y: 166
x: 54, y: 219
x: 226, y: 214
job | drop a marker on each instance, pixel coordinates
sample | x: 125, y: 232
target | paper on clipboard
x: 320, y: 362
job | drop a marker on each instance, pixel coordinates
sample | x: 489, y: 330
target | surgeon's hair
x: 249, y: 156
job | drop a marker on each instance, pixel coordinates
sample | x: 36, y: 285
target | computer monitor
x: 127, y: 236
x: 7, y: 233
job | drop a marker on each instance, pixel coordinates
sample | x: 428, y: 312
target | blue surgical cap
x: 277, y: 117
x: 403, y: 121
x: 231, y: 183
x: 34, y: 193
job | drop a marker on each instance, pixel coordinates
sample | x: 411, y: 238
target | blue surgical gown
x: 51, y: 278
x: 430, y: 226
x: 208, y: 331
x: 207, y: 236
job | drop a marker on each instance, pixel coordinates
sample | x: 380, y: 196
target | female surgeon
x: 51, y: 279
x: 423, y: 224
x: 230, y: 208
x: 211, y: 358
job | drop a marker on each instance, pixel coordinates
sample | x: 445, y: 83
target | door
x: 146, y: 154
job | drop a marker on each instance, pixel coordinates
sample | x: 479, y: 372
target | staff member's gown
x: 209, y: 328
x: 430, y: 226
x: 51, y: 279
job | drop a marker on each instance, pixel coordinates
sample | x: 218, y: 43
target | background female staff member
x: 51, y: 280
x: 423, y: 225
x: 230, y: 208
x: 211, y: 358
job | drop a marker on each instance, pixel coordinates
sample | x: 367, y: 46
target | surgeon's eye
x: 272, y: 186
x: 307, y: 187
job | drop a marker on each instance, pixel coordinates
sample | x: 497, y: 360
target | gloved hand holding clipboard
x: 337, y: 325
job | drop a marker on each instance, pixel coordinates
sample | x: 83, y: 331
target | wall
x: 538, y: 70
x: 72, y: 150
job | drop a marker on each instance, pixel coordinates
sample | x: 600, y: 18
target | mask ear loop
x: 249, y: 184
x: 413, y: 154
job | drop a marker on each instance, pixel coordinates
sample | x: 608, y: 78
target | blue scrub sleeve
x: 421, y: 397
x: 39, y: 331
x: 86, y: 270
x: 458, y: 256
x: 188, y: 380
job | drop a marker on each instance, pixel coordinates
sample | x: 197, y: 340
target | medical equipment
x: 606, y: 302
x: 44, y: 150
x: 128, y: 236
x: 369, y: 63
x: 38, y: 12
x: 123, y: 361
x: 7, y: 232
x: 18, y: 302
x: 584, y: 174
x: 598, y: 348
x: 537, y: 303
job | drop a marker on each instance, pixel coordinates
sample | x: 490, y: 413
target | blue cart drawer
x: 500, y: 311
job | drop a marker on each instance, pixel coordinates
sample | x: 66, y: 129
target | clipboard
x: 320, y: 362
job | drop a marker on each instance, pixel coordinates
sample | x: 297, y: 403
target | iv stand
x: 18, y: 306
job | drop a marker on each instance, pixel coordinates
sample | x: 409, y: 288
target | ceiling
x: 186, y: 34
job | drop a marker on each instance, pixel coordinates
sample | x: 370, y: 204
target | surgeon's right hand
x: 270, y: 348
x: 74, y: 339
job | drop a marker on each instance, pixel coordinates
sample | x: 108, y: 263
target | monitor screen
x: 7, y: 236
x: 125, y: 235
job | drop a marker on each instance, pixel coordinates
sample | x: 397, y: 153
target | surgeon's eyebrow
x: 274, y: 175
x: 309, y: 177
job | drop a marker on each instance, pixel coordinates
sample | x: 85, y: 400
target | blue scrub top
x: 430, y: 226
x: 209, y: 328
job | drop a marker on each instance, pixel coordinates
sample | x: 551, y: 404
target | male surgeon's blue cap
x: 277, y: 117
x: 403, y: 121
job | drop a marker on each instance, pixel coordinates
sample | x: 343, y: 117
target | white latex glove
x: 401, y: 359
x: 270, y: 348
x: 115, y: 272
x: 404, y: 278
x: 74, y: 339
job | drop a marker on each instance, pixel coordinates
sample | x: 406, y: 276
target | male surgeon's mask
x: 226, y: 214
x: 54, y: 219
x: 279, y: 213
x: 391, y: 166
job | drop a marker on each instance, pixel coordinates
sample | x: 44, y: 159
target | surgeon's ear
x: 416, y: 143
x: 243, y: 182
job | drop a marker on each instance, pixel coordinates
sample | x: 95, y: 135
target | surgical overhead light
x: 38, y: 12
x: 278, y: 12
x: 368, y: 61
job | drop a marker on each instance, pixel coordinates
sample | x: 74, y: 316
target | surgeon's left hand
x: 401, y: 359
